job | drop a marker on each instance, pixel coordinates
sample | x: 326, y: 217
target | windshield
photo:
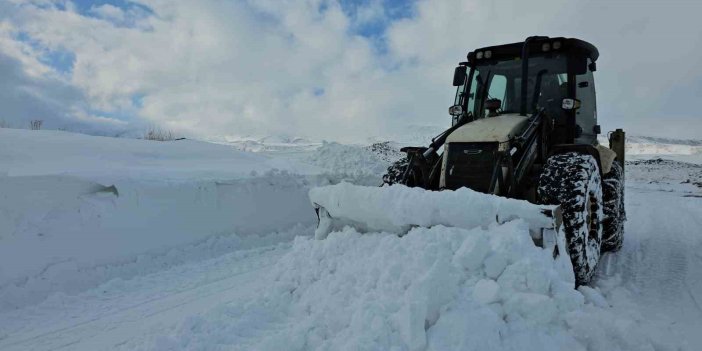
x: 546, y: 87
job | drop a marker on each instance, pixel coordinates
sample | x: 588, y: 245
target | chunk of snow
x: 593, y: 296
x: 472, y: 252
x: 486, y: 291
x: 495, y: 263
x: 411, y: 319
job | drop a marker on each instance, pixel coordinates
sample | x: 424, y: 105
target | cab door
x: 586, y: 115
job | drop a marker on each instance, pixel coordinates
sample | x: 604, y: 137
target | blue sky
x: 393, y: 10
x: 61, y: 60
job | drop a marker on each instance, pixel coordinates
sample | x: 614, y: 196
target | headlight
x: 570, y: 104
x: 479, y: 55
x: 556, y: 45
x: 456, y: 110
x: 546, y: 47
x: 488, y: 54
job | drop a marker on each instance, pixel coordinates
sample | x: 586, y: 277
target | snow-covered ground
x: 136, y: 245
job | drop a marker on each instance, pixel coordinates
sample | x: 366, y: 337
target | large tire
x: 396, y: 171
x: 614, y: 213
x: 573, y: 181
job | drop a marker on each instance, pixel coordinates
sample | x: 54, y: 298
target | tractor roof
x: 537, y: 46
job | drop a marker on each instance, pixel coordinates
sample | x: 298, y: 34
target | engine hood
x: 490, y: 129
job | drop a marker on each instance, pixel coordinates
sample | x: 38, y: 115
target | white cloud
x: 297, y: 67
x: 108, y: 12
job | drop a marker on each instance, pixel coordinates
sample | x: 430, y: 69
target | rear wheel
x: 614, y: 215
x: 573, y: 181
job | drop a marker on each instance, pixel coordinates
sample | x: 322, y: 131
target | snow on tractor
x: 524, y: 127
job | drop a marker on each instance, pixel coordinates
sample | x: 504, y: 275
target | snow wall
x: 57, y: 232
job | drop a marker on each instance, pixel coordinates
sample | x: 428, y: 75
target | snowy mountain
x: 110, y: 243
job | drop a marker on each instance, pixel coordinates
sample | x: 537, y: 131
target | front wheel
x: 396, y: 171
x: 573, y: 181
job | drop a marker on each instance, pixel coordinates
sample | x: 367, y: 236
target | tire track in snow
x: 660, y: 264
x: 111, y: 328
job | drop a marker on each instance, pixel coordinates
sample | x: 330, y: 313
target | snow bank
x: 355, y: 160
x: 433, y: 289
x: 396, y: 208
x: 53, y: 228
x: 70, y: 203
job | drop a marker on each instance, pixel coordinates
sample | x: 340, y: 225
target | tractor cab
x: 548, y: 76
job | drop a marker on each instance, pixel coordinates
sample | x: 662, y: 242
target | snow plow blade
x: 397, y: 208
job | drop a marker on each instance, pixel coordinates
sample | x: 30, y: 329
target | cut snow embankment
x: 70, y: 203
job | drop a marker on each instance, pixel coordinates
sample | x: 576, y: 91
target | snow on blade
x: 397, y: 208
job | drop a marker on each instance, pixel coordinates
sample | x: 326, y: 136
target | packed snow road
x: 119, y: 312
x: 310, y: 294
x: 658, y: 272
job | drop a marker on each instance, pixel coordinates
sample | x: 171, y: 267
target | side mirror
x: 459, y: 76
x: 570, y: 104
x: 592, y: 66
x: 456, y: 110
